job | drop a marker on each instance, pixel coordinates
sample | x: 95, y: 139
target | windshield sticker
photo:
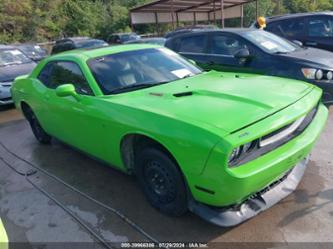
x: 269, y: 45
x: 15, y: 52
x: 181, y: 73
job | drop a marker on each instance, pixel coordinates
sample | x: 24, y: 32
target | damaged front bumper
x: 264, y: 199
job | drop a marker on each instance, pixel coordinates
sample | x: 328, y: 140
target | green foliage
x: 295, y: 6
x: 42, y: 20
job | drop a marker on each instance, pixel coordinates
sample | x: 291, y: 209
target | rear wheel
x: 161, y: 181
x: 36, y: 127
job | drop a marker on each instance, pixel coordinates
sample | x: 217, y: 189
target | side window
x: 275, y: 28
x: 55, y: 74
x: 44, y: 75
x: 320, y: 26
x: 192, y: 44
x: 288, y: 28
x: 225, y: 45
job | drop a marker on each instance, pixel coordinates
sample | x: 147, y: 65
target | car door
x: 76, y: 122
x: 221, y: 53
x: 320, y: 32
x: 193, y: 47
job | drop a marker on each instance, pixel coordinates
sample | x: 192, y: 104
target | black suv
x: 312, y: 29
x: 77, y: 43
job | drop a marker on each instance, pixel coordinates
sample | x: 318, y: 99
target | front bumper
x: 5, y: 95
x: 327, y: 87
x: 257, y: 203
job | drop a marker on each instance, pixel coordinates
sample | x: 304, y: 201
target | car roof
x: 196, y: 27
x: 129, y: 33
x: 74, y: 39
x: 98, y: 52
x: 228, y: 30
x: 287, y: 16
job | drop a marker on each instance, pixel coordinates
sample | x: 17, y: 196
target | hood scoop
x: 183, y: 94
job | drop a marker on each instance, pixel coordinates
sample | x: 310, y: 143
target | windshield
x: 12, y: 56
x: 91, y: 44
x: 270, y: 43
x: 33, y: 50
x: 145, y: 68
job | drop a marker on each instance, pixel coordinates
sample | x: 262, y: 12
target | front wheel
x: 37, y: 129
x: 161, y: 181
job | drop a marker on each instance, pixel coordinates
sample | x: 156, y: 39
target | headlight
x: 235, y: 154
x: 238, y: 153
x: 319, y: 74
x: 309, y: 73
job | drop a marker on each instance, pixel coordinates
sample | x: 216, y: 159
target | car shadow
x: 310, y: 201
x: 6, y: 107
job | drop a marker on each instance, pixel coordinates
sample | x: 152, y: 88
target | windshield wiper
x: 280, y: 52
x: 135, y: 87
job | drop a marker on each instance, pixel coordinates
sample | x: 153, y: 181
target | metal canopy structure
x: 175, y: 11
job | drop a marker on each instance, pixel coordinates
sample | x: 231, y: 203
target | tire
x: 38, y: 131
x: 161, y: 181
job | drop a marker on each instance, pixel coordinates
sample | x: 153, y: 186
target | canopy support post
x: 242, y: 15
x: 172, y: 14
x: 156, y: 24
x: 222, y: 13
x: 214, y: 6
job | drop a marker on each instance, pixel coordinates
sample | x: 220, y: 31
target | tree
x: 42, y: 20
x: 296, y: 6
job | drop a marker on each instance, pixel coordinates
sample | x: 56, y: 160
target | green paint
x: 3, y: 237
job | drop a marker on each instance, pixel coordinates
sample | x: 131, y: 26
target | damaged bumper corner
x: 264, y: 199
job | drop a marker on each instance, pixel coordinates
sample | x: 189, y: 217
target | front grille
x: 296, y: 127
x: 262, y: 150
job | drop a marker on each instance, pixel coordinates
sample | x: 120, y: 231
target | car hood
x: 214, y: 100
x: 9, y: 73
x: 313, y: 57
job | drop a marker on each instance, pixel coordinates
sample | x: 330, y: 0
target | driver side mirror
x: 193, y: 62
x: 243, y: 55
x: 67, y: 90
x: 299, y: 43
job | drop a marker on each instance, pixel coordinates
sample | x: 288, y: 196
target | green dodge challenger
x: 225, y: 146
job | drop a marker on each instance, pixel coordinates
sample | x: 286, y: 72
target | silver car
x: 13, y: 63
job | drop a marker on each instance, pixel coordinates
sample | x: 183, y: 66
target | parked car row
x: 237, y: 50
x: 17, y: 60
